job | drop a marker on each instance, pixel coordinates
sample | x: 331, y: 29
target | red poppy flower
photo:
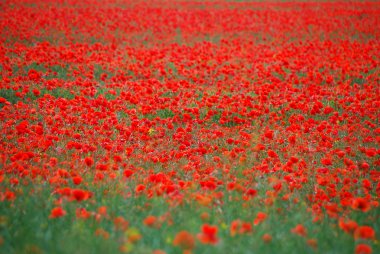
x: 361, y: 204
x: 80, y: 195
x: 89, y: 161
x: 150, y: 221
x: 57, y: 212
x: 208, y: 234
x: 364, y: 232
x: 363, y: 249
x: 267, y: 238
x: 348, y: 226
x: 260, y: 217
x: 184, y: 240
x: 299, y: 230
x: 77, y: 180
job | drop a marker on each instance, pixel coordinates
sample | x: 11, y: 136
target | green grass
x: 28, y: 229
x: 10, y: 94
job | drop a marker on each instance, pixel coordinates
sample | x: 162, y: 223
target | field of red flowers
x: 189, y: 126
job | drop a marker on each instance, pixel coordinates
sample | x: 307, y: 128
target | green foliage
x: 10, y: 94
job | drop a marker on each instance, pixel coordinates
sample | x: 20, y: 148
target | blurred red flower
x: 208, y: 234
x: 363, y: 249
x: 364, y: 232
x: 57, y: 212
x: 184, y: 240
x: 299, y: 230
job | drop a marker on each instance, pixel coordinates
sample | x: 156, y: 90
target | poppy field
x: 189, y: 126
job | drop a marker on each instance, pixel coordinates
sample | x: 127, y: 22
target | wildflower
x: 312, y: 243
x: 10, y: 195
x: 208, y: 234
x: 79, y: 195
x: 348, y: 226
x: 364, y: 232
x: 361, y: 204
x: 120, y: 223
x: 326, y: 161
x: 269, y: 134
x: 140, y: 188
x: 102, y: 167
x: 363, y: 249
x: 133, y: 235
x: 102, y: 233
x: 272, y: 154
x: 82, y: 213
x: 102, y: 211
x: 267, y: 238
x: 260, y: 217
x: 57, y: 212
x: 205, y: 216
x: 128, y: 173
x: 251, y: 192
x: 4, y: 101
x: 299, y: 230
x: 239, y: 227
x: 77, y: 180
x: 184, y: 240
x: 89, y: 161
x: 150, y: 221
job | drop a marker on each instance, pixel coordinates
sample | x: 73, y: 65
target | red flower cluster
x: 226, y: 108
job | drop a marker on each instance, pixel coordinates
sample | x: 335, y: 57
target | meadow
x: 189, y: 127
